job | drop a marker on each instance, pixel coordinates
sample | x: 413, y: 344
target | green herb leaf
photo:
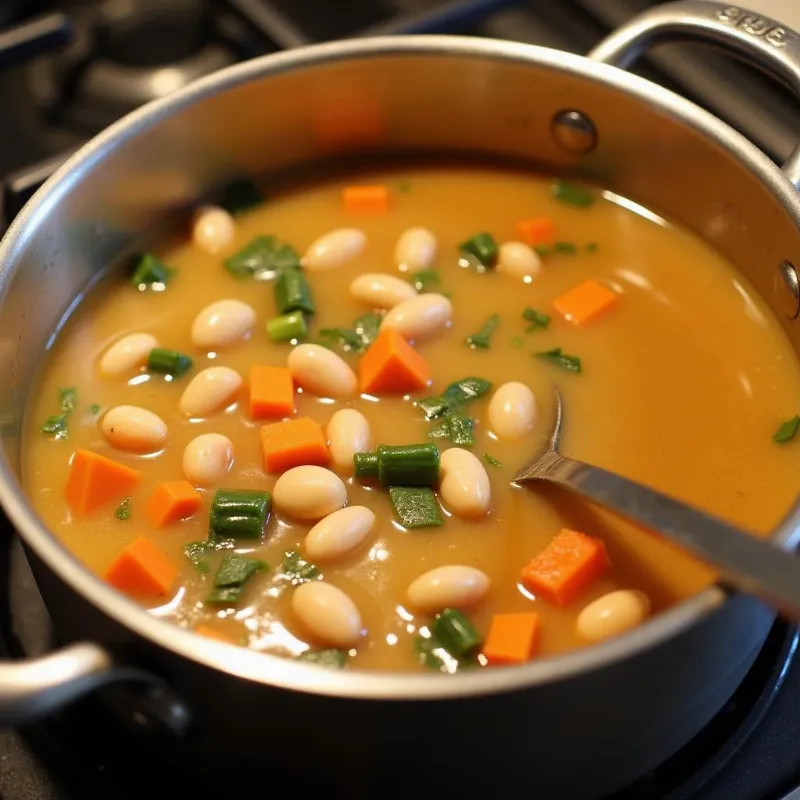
x: 787, y: 430
x: 349, y: 340
x: 150, y: 271
x: 555, y: 356
x: 426, y: 280
x: 226, y: 595
x: 236, y: 569
x: 335, y: 659
x: 123, y: 512
x: 592, y: 247
x: 482, y: 338
x: 571, y: 194
x: 466, y: 390
x: 359, y: 338
x: 441, y: 430
x: 433, y: 407
x: 462, y: 430
x: 454, y: 631
x: 196, y: 552
x: 565, y: 247
x: 367, y: 326
x: 542, y: 249
x: 56, y: 426
x: 263, y: 257
x: 239, y: 196
x: 518, y: 342
x: 415, y: 506
x: 297, y: 568
x: 481, y: 249
x: 69, y: 399
x: 536, y: 318
x: 491, y: 461
x: 434, y: 656
x: 94, y: 409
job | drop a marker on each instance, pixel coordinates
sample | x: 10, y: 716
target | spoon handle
x: 747, y: 563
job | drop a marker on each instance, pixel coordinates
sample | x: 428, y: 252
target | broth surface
x: 684, y: 382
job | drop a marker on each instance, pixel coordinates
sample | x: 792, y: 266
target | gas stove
x: 69, y: 70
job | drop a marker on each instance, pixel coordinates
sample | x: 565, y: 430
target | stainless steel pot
x: 573, y: 726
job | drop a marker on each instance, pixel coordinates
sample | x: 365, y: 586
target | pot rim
x: 278, y: 671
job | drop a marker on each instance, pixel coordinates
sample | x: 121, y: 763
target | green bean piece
x: 482, y: 248
x: 292, y: 292
x: 239, y: 513
x: 571, y: 194
x: 287, y: 327
x: 408, y: 464
x: 456, y: 633
x: 168, y: 362
x: 365, y: 465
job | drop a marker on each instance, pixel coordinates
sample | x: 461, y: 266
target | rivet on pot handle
x: 759, y: 38
x: 34, y: 687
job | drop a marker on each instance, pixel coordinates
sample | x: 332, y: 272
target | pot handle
x: 765, y: 41
x: 34, y: 687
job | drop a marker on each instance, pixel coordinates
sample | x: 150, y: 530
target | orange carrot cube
x: 392, y: 366
x: 512, y: 638
x: 271, y: 392
x: 565, y: 567
x: 293, y: 443
x: 366, y: 199
x: 142, y: 569
x: 584, y: 302
x: 95, y: 480
x: 172, y: 501
x: 536, y: 231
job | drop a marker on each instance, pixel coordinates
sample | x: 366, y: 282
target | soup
x: 448, y: 302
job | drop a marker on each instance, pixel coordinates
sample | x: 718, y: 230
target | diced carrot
x: 143, y: 569
x: 536, y: 230
x: 271, y: 392
x: 512, y: 638
x: 584, y: 302
x: 172, y: 501
x: 293, y: 443
x: 366, y: 199
x: 213, y: 633
x: 565, y: 567
x: 95, y: 480
x: 392, y: 366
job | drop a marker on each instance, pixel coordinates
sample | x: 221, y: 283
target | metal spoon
x: 747, y: 563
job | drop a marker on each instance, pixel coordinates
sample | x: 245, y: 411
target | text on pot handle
x: 756, y: 26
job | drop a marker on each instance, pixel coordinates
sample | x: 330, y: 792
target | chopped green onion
x: 482, y: 247
x: 433, y: 407
x: 466, y: 390
x: 350, y: 340
x: 542, y: 249
x: 555, y: 356
x: 287, y: 327
x: 456, y: 634
x: 292, y: 292
x: 426, y: 280
x: 335, y: 659
x: 123, y: 512
x: 168, y: 362
x: 482, y: 338
x: 592, y: 247
x: 150, y: 270
x: 233, y: 573
x: 462, y: 430
x: 571, y: 194
x: 415, y: 506
x: 69, y: 399
x: 565, y: 247
x: 434, y: 656
x: 57, y: 425
x: 197, y: 551
x: 297, y: 568
x: 408, y: 464
x: 441, y: 430
x: 536, y: 318
x: 239, y: 512
x: 787, y: 431
x: 491, y: 461
x: 94, y: 409
x: 518, y: 342
x: 367, y: 326
x: 365, y: 465
x: 239, y: 196
x: 263, y: 257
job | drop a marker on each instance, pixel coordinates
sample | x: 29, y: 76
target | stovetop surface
x: 57, y: 101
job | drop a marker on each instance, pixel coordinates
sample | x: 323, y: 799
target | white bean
x: 135, y: 429
x: 127, y: 353
x: 309, y: 492
x: 321, y: 372
x: 348, y: 434
x: 464, y: 486
x: 339, y: 533
x: 613, y: 614
x: 213, y: 228
x: 420, y: 317
x: 328, y: 613
x: 519, y: 260
x: 512, y: 411
x: 453, y: 586
x: 415, y: 250
x: 210, y: 390
x: 381, y: 291
x: 334, y: 249
x: 207, y: 458
x: 222, y: 324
